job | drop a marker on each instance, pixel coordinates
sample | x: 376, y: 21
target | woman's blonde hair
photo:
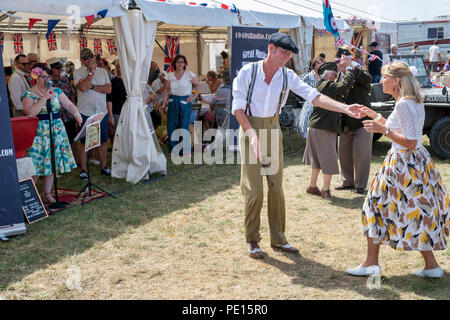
x: 408, y: 85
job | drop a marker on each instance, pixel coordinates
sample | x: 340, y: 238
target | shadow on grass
x: 75, y: 230
x: 312, y: 274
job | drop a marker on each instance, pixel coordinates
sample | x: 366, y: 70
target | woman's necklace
x: 39, y: 92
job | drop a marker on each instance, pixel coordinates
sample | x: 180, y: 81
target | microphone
x: 48, y: 85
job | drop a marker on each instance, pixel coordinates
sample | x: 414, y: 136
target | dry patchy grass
x: 182, y: 237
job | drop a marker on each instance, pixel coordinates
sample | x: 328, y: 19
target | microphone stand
x: 56, y: 204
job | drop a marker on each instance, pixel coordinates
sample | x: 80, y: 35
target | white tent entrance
x: 135, y: 152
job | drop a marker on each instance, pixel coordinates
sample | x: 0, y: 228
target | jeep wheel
x: 440, y: 138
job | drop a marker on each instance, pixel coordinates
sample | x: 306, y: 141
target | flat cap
x: 327, y: 66
x: 284, y: 41
x: 373, y: 44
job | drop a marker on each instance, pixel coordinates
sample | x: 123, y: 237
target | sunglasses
x: 32, y: 61
x: 88, y: 56
x: 24, y: 63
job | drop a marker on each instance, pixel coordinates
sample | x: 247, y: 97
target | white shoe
x: 431, y: 273
x: 364, y: 271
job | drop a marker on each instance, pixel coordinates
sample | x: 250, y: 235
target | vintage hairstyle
x: 314, y: 62
x: 177, y: 57
x: 408, y: 85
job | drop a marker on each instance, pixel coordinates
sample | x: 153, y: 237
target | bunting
x: 98, y: 47
x: 2, y: 38
x: 89, y: 20
x: 51, y: 42
x: 83, y: 42
x: 18, y: 43
x: 31, y: 22
x: 112, y: 48
x: 51, y: 25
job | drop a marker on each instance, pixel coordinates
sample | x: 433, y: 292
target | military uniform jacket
x: 325, y: 119
x: 359, y: 93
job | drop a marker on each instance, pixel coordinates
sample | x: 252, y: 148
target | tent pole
x: 199, y: 58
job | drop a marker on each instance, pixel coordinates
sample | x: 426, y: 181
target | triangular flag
x: 51, y: 25
x: 102, y: 13
x: 89, y: 20
x: 32, y: 22
x: 11, y: 21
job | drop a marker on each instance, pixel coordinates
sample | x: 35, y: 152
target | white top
x: 17, y: 85
x: 265, y: 98
x: 407, y: 119
x: 182, y: 87
x: 156, y: 85
x: 91, y: 101
x: 434, y: 51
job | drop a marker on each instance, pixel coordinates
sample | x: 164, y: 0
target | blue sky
x: 388, y: 9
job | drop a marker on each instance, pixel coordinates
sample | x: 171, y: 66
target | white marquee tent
x: 135, y: 153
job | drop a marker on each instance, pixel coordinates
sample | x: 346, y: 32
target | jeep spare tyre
x: 440, y: 138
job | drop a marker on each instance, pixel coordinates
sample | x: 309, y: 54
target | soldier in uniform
x: 355, y: 143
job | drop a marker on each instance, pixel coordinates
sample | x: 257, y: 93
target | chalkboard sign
x: 32, y: 205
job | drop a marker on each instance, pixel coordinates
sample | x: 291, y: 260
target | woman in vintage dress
x: 35, y: 104
x: 407, y: 205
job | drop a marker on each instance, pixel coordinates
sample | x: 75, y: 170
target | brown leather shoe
x: 326, y: 194
x: 315, y: 191
x: 285, y: 248
x: 254, y: 250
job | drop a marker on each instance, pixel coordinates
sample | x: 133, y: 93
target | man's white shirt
x: 17, y: 86
x: 265, y: 97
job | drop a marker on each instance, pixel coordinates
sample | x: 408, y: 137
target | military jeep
x: 437, y: 106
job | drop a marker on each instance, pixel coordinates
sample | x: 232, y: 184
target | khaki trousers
x: 252, y: 174
x: 355, y: 154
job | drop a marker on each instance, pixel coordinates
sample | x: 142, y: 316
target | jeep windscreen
x: 422, y: 72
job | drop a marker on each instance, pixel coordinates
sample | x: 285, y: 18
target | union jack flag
x: 339, y: 42
x: 98, y: 47
x: 18, y: 43
x: 2, y: 38
x: 83, y: 42
x: 171, y: 49
x: 373, y: 57
x: 51, y: 42
x: 357, y: 39
x: 112, y: 48
x: 436, y: 84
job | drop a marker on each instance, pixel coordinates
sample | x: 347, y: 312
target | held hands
x: 354, y: 111
x: 369, y: 112
x: 254, y: 142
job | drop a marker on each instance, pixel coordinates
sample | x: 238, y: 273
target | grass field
x: 182, y: 237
